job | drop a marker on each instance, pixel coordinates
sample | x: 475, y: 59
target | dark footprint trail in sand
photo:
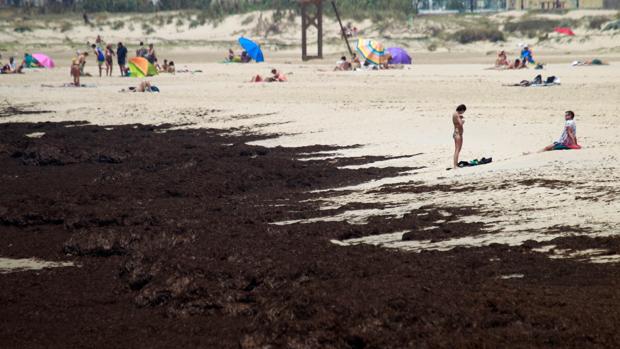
x: 173, y: 233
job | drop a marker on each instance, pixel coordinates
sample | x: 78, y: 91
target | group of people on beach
x: 525, y: 57
x: 232, y: 57
x: 356, y: 64
x: 11, y: 67
x: 105, y: 53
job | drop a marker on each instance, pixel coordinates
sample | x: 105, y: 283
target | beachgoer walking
x: 109, y: 60
x: 121, y: 56
x: 458, y: 121
x: 100, y: 57
x: 568, y: 139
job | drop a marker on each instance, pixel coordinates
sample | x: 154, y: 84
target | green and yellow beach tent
x: 141, y: 67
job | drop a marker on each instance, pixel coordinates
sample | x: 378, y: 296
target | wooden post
x: 342, y: 32
x: 308, y: 19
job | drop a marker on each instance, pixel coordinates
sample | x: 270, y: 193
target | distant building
x: 557, y: 4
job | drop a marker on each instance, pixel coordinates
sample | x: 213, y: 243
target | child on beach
x: 568, y: 139
x: 458, y: 121
x: 100, y: 57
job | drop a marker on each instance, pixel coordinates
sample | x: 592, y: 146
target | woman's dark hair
x: 343, y: 58
x: 571, y: 114
x: 461, y: 108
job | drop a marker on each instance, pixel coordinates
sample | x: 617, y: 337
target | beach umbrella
x: 44, y: 60
x: 564, y: 30
x: 252, y: 48
x: 371, y: 50
x: 399, y: 56
x: 141, y: 67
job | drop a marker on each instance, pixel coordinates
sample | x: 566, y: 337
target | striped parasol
x: 371, y: 50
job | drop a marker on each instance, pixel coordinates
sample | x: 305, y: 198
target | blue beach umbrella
x: 252, y: 48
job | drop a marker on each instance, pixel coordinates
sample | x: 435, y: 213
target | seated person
x: 171, y: 68
x: 355, y: 62
x: 157, y: 66
x: 164, y: 67
x: 502, y: 60
x: 276, y: 77
x: 527, y: 56
x: 516, y: 64
x: 568, y: 139
x: 343, y: 64
x: 386, y: 62
x: 12, y: 68
x: 245, y: 58
x: 231, y: 55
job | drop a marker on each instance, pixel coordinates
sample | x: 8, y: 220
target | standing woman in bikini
x: 109, y: 61
x: 458, y: 121
x: 76, y: 65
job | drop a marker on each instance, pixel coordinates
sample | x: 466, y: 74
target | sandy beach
x: 463, y: 257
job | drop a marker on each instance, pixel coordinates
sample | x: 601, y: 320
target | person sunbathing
x: 594, y: 61
x: 171, y: 68
x: 144, y: 86
x: 568, y: 139
x: 502, y: 60
x: 276, y: 77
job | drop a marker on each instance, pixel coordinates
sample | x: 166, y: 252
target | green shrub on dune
x: 468, y: 35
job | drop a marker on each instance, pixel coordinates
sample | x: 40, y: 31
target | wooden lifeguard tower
x: 311, y: 15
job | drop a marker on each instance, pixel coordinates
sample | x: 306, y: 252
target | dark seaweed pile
x: 172, y: 231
